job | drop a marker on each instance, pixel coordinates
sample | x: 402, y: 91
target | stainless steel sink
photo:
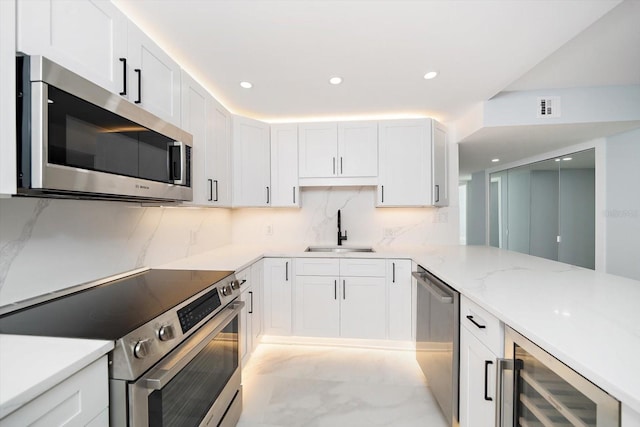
x: 339, y: 249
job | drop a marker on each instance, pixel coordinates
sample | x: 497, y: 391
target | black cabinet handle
x: 251, y: 312
x: 215, y: 181
x: 393, y: 280
x: 286, y: 271
x: 344, y: 290
x: 210, y: 199
x: 243, y: 281
x: 267, y: 195
x: 334, y: 165
x: 486, y: 379
x: 437, y: 193
x: 341, y: 166
x: 470, y: 317
x: 124, y: 76
x: 294, y: 195
x: 382, y: 191
x: 139, y: 72
x: 335, y: 289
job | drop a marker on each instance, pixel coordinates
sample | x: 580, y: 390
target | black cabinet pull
x: 393, y: 280
x: 486, y: 379
x: 470, y: 317
x: 267, y: 195
x: 344, y: 290
x: 139, y: 72
x: 294, y: 195
x: 251, y: 312
x: 341, y: 172
x: 286, y: 271
x: 243, y: 281
x: 215, y: 181
x: 437, y: 193
x: 124, y: 76
x: 335, y: 289
x: 210, y: 199
x: 382, y: 188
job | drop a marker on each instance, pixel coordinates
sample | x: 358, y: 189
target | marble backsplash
x: 315, y: 223
x: 47, y: 244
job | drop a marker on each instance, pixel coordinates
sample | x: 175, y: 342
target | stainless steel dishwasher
x: 437, y: 339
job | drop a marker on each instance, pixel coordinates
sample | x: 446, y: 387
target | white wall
x: 315, y: 223
x: 623, y: 204
x: 47, y: 245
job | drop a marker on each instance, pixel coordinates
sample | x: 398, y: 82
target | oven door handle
x: 168, y: 368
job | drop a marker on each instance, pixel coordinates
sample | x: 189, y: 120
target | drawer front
x: 317, y: 267
x: 244, y: 277
x: 483, y: 325
x: 360, y: 267
x: 78, y: 400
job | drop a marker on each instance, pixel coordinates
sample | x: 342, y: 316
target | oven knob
x: 166, y: 333
x: 226, y: 290
x: 235, y: 285
x: 142, y: 349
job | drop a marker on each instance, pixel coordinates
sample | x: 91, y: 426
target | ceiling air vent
x: 548, y: 106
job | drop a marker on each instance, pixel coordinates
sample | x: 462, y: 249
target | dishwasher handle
x: 444, y: 295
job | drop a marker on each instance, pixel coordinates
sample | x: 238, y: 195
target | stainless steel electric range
x: 176, y: 359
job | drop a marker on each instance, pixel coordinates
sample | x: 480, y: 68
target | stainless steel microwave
x: 77, y: 139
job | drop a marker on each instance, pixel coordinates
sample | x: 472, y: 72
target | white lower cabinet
x: 400, y: 290
x: 278, y: 281
x: 80, y: 400
x: 340, y: 298
x: 251, y: 281
x: 481, y: 344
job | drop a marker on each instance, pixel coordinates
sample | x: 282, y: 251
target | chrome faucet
x: 341, y: 238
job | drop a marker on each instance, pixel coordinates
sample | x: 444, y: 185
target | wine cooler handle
x: 501, y: 366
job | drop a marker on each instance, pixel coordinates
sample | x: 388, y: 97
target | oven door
x: 198, y: 383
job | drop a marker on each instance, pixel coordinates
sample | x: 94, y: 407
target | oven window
x: 85, y: 136
x: 187, y: 398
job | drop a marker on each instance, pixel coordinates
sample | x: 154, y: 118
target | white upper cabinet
x: 440, y: 168
x: 94, y: 39
x: 251, y: 163
x: 284, y: 166
x: 154, y: 77
x: 217, y: 162
x: 87, y: 37
x: 345, y: 150
x: 407, y: 169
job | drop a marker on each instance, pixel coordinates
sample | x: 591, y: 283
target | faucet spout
x: 341, y: 237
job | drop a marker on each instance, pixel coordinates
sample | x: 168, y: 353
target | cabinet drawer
x: 244, y: 277
x: 317, y: 267
x: 363, y: 267
x: 483, y: 325
x: 76, y: 401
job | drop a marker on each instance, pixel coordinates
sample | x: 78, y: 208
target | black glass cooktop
x: 112, y: 310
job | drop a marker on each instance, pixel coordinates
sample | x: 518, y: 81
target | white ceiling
x: 289, y: 49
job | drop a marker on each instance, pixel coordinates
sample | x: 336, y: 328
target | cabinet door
x: 284, y: 166
x: 255, y: 307
x: 277, y: 296
x: 194, y: 121
x: 245, y: 345
x: 87, y: 37
x: 218, y: 154
x: 8, y: 184
x: 399, y: 286
x: 440, y: 166
x: 363, y: 307
x: 154, y: 78
x: 357, y: 149
x: 318, y: 144
x: 405, y: 163
x: 317, y: 306
x: 477, y: 382
x: 251, y: 163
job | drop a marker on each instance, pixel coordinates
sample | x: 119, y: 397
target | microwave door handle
x: 164, y: 372
x: 178, y: 178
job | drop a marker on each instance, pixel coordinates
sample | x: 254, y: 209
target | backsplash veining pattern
x: 47, y: 245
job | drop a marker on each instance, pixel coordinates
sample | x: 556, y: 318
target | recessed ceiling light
x: 557, y: 160
x: 431, y: 75
x: 246, y: 85
x: 495, y: 160
x: 335, y: 80
x: 566, y: 159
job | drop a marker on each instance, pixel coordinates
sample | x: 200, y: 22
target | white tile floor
x: 296, y: 385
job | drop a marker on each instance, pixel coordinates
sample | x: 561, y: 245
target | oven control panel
x: 193, y: 313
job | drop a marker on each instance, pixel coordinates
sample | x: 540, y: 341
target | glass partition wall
x: 546, y: 209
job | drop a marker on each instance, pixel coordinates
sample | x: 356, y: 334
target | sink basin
x: 339, y: 249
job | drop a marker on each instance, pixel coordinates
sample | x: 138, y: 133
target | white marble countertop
x: 588, y: 320
x: 29, y: 365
